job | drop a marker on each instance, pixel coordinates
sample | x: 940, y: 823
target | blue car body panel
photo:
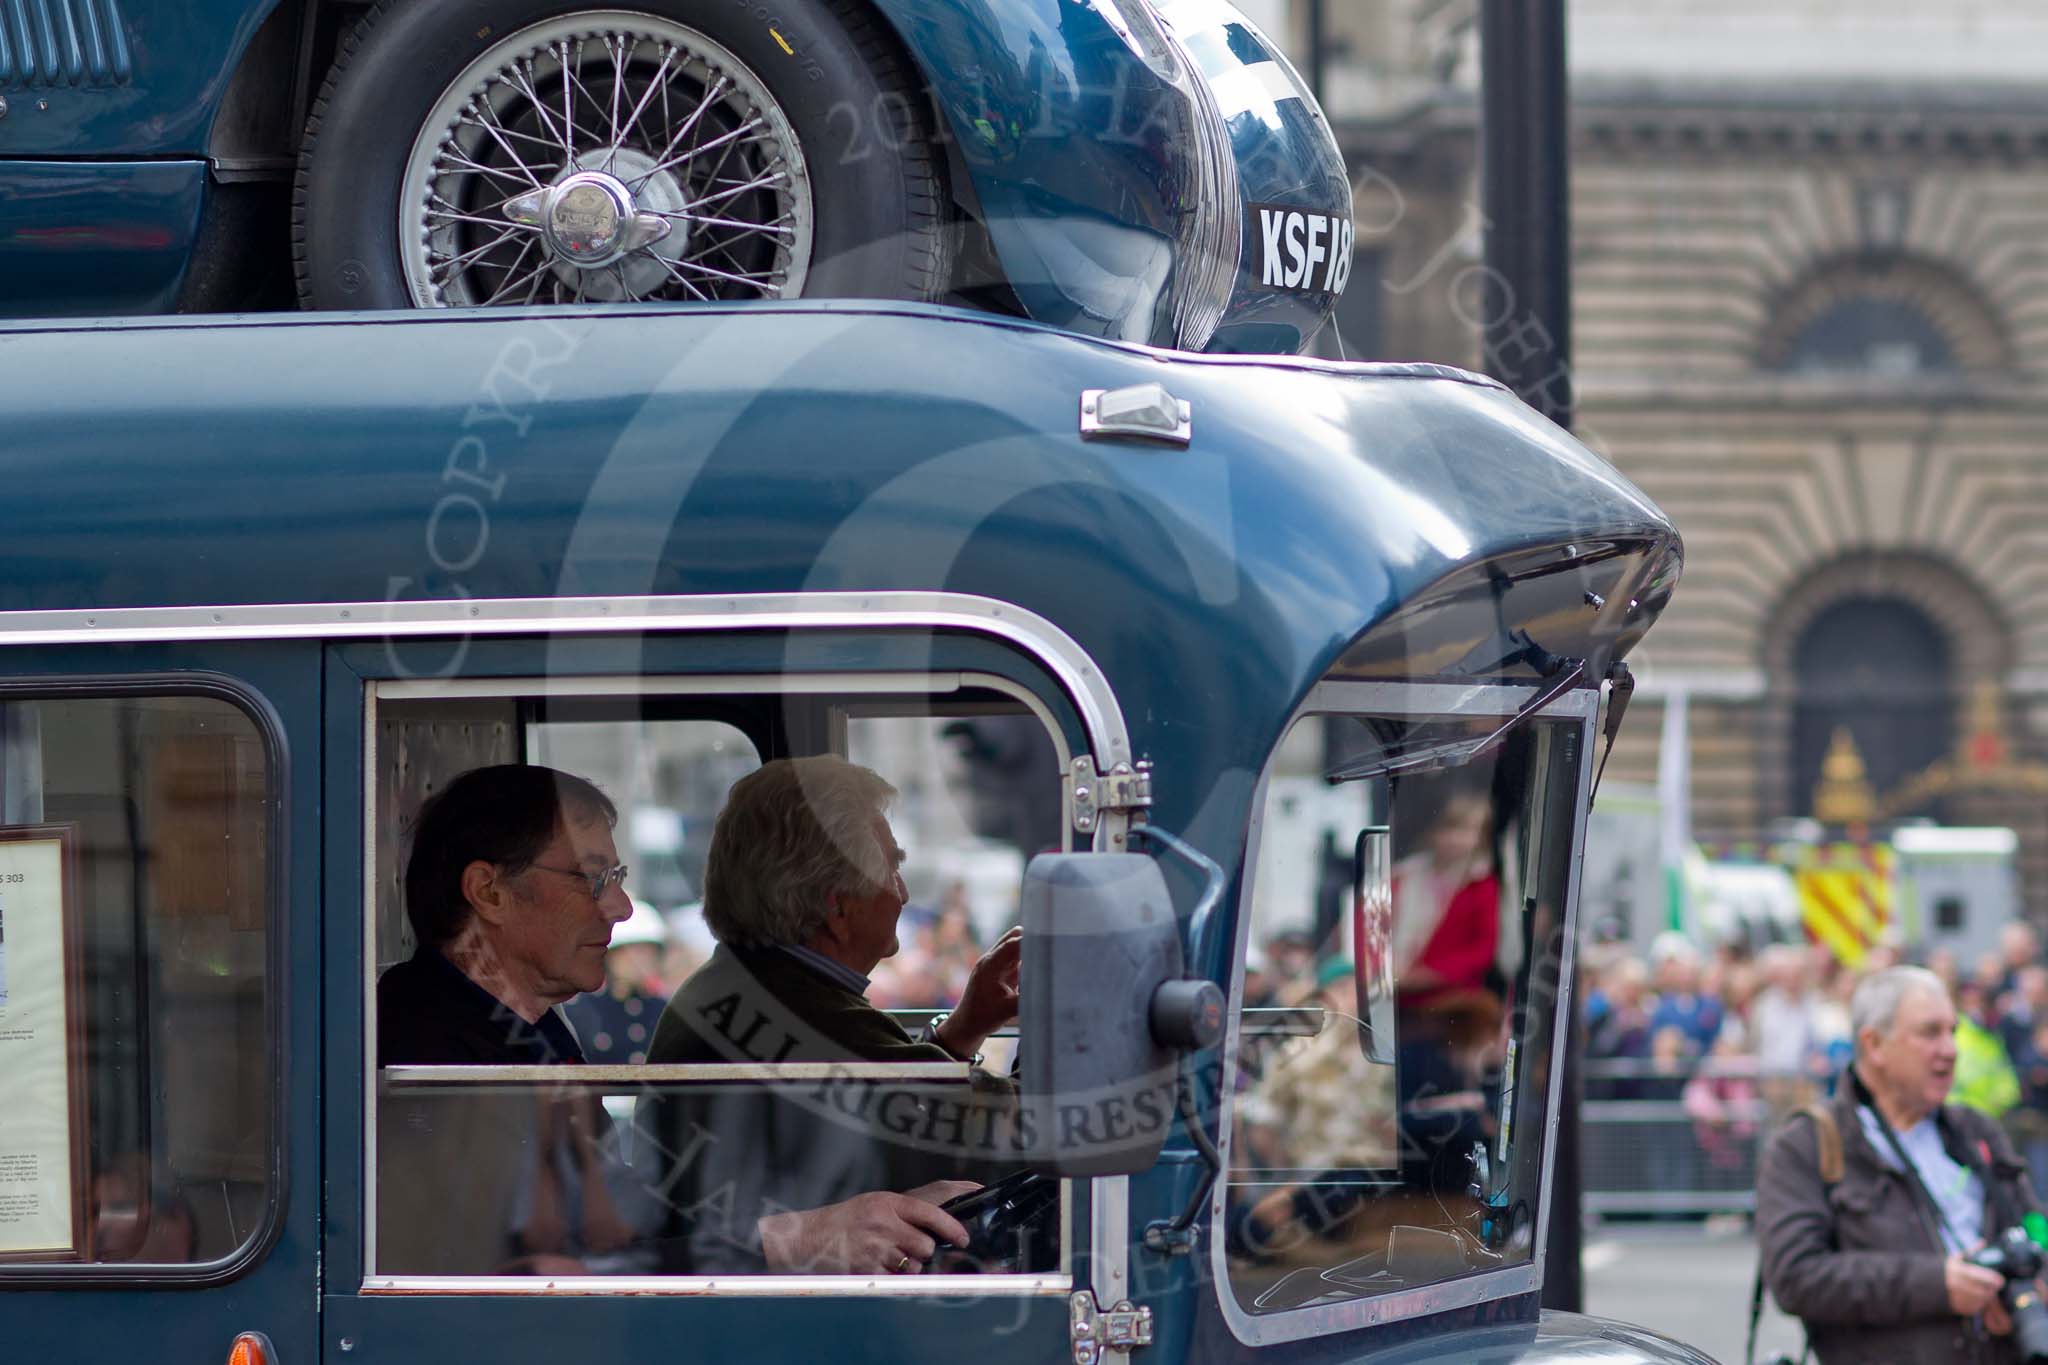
x: 1082, y: 157
x: 154, y: 92
x: 1078, y: 151
x: 97, y: 238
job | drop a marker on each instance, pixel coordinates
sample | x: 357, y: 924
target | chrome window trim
x: 1108, y: 1241
x: 1567, y: 962
x: 1110, y: 1219
x: 1045, y: 642
x: 366, y: 1214
x: 933, y: 683
x: 658, y: 1073
x: 280, y: 1147
x: 1392, y: 698
x: 1471, y: 699
x: 730, y: 1286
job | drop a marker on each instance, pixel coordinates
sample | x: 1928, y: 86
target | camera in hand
x: 2017, y: 1257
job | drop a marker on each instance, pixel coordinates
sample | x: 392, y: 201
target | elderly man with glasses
x: 513, y: 888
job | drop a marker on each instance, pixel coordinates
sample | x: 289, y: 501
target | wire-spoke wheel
x: 611, y: 157
x: 570, y: 155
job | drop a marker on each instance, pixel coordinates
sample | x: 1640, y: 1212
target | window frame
x: 850, y: 686
x: 277, y: 774
x: 1463, y: 1291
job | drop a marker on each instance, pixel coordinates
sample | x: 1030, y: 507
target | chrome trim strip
x: 368, y: 1185
x: 1046, y: 642
x: 934, y: 683
x: 1265, y: 1329
x: 1110, y: 1273
x: 1206, y: 264
x: 681, y: 1286
x: 1189, y: 17
x: 931, y: 682
x: 660, y: 1073
x: 1254, y: 87
x: 1413, y: 699
x: 1567, y: 959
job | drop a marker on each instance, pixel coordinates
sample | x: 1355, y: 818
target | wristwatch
x: 931, y: 1035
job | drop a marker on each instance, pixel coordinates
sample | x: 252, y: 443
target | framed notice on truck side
x: 42, y: 1096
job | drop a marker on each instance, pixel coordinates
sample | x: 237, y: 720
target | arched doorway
x: 1874, y: 622
x: 1877, y: 669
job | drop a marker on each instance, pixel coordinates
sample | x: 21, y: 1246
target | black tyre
x: 480, y: 152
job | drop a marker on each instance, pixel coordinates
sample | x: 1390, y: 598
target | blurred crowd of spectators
x: 1740, y: 1038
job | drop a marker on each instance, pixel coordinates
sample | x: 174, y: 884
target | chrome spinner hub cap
x: 589, y: 219
x: 605, y: 214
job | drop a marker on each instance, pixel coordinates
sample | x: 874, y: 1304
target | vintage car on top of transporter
x: 1144, y: 170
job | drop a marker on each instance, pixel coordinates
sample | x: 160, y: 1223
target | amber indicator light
x: 251, y: 1348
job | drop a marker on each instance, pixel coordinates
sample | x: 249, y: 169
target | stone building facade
x: 1811, y: 320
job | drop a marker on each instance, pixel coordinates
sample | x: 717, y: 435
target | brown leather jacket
x: 1856, y: 1259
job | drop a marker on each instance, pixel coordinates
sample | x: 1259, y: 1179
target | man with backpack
x: 1868, y: 1207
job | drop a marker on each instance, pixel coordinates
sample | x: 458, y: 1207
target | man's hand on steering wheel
x: 988, y: 1003
x: 878, y: 1233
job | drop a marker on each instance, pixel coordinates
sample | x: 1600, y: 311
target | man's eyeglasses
x: 598, y: 882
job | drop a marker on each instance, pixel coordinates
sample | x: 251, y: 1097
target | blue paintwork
x: 179, y: 57
x: 51, y: 43
x: 1080, y: 155
x: 787, y: 448
x: 112, y: 237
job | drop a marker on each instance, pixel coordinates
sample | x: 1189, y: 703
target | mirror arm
x: 1200, y: 919
x: 1176, y: 1238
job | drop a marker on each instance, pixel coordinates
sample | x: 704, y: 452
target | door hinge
x: 1094, y: 1331
x: 1123, y: 788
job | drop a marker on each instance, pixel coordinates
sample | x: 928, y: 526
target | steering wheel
x: 1012, y: 1228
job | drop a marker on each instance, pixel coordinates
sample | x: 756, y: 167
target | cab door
x: 664, y: 723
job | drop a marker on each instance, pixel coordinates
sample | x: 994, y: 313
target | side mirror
x: 1372, y: 941
x: 1103, y: 1012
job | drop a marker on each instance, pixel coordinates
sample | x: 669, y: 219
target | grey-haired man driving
x: 803, y: 891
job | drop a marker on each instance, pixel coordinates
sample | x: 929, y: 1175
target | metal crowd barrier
x: 1646, y: 1148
